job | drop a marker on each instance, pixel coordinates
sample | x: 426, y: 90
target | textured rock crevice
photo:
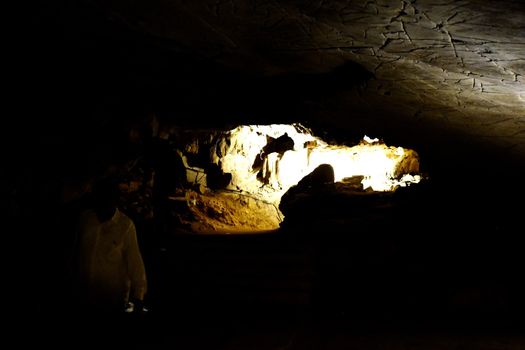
x: 461, y: 62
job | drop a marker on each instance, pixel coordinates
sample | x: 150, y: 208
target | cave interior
x: 442, y: 78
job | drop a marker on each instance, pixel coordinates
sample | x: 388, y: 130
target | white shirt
x: 111, y: 266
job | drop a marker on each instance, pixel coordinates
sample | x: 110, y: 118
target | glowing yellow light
x: 379, y: 164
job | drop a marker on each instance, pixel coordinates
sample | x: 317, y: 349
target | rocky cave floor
x: 414, y: 270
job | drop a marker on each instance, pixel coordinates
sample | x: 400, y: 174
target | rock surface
x: 438, y: 64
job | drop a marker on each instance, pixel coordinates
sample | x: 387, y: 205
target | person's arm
x: 135, y: 266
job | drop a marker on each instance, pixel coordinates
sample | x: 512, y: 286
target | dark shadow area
x: 430, y: 262
x: 83, y: 61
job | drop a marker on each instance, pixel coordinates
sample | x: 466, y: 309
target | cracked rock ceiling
x: 440, y: 70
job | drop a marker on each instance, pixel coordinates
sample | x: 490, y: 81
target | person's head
x: 320, y: 176
x: 323, y: 175
x: 106, y: 195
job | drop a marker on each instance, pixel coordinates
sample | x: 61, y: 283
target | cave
x: 230, y: 106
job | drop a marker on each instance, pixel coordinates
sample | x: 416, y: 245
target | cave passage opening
x: 238, y: 177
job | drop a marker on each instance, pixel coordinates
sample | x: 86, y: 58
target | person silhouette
x: 110, y: 268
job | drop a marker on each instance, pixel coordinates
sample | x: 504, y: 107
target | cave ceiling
x: 435, y: 65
